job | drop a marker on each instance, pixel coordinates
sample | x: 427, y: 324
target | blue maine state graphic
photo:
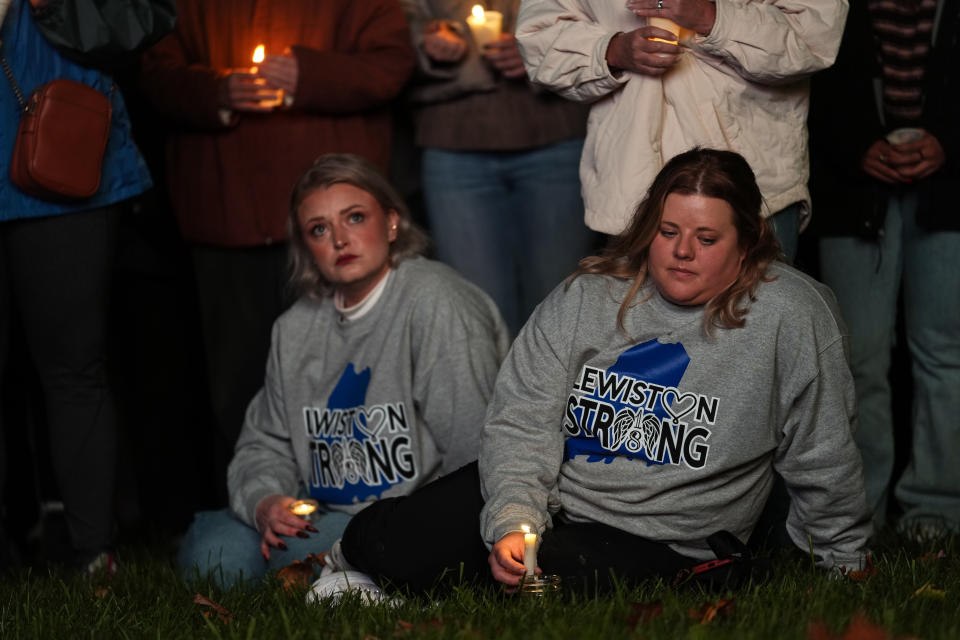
x: 355, y: 456
x: 604, y: 423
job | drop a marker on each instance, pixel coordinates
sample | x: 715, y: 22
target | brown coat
x: 230, y: 183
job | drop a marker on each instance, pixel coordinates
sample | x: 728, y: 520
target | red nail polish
x: 282, y: 545
x: 301, y: 534
x: 311, y: 529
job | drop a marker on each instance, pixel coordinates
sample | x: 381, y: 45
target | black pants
x: 240, y: 294
x: 55, y: 274
x: 432, y: 537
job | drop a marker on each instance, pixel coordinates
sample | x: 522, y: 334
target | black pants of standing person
x: 55, y: 275
x: 431, y: 538
x: 241, y: 291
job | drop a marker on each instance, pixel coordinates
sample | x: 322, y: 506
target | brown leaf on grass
x: 300, y: 573
x: 101, y: 592
x: 710, y: 611
x: 927, y: 591
x: 421, y: 628
x: 930, y: 556
x: 860, y: 628
x: 224, y: 615
x: 644, y: 612
x: 866, y: 573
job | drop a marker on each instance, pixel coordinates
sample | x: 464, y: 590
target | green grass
x: 148, y: 600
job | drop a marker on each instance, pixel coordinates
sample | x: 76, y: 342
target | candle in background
x: 485, y: 25
x: 529, y: 551
x: 271, y: 98
x: 258, y: 55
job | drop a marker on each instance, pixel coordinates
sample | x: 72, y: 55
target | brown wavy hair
x: 706, y: 172
x: 345, y: 168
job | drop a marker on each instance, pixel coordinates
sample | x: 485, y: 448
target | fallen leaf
x: 300, y: 573
x: 860, y: 628
x: 101, y: 592
x: 931, y: 556
x: 421, y: 628
x: 708, y: 612
x: 866, y: 573
x: 927, y: 591
x: 644, y: 612
x: 222, y: 613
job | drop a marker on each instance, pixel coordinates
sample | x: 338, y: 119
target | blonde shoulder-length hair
x: 345, y: 168
x: 707, y: 172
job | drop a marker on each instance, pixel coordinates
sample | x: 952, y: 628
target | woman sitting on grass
x: 644, y: 407
x: 376, y: 382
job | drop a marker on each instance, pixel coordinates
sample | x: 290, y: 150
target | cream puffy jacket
x: 744, y: 87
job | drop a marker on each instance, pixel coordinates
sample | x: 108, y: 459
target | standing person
x: 645, y: 407
x: 885, y: 175
x: 56, y: 257
x: 234, y: 148
x: 737, y: 80
x: 498, y: 154
x: 377, y: 380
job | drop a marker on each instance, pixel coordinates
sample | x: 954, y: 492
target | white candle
x: 529, y: 551
x: 485, y: 25
x: 681, y: 34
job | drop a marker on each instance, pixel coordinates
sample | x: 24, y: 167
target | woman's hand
x: 886, y: 162
x: 442, y: 44
x: 635, y: 51
x: 697, y: 15
x: 280, y: 72
x: 506, y: 559
x: 275, y: 520
x: 240, y: 90
x: 505, y: 56
x: 932, y: 156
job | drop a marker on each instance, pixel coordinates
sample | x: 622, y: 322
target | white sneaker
x: 332, y: 584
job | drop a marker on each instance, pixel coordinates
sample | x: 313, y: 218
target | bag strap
x: 13, y: 83
x: 16, y: 88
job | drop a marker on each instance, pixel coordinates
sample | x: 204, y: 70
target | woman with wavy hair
x: 639, y: 417
x: 376, y: 382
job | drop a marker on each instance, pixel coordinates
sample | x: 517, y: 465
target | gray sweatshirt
x: 671, y: 434
x: 374, y: 407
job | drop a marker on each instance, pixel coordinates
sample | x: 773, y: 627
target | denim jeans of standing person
x: 223, y: 547
x: 511, y: 222
x: 866, y: 277
x: 786, y: 226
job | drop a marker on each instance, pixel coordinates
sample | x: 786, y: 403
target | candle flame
x: 477, y: 12
x: 302, y: 507
x: 526, y: 528
x: 258, y: 54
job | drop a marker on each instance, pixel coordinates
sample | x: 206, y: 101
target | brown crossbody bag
x: 61, y: 140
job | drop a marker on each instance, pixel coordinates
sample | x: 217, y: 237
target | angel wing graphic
x: 650, y: 426
x: 359, y: 460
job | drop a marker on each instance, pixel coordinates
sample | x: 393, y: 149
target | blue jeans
x: 510, y: 222
x: 866, y: 277
x: 786, y: 226
x: 221, y: 546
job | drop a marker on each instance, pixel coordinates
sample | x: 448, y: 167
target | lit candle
x: 529, y: 550
x: 258, y: 54
x: 485, y: 25
x: 681, y: 34
x: 303, y: 508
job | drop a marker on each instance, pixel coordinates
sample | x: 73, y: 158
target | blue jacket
x: 33, y: 62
